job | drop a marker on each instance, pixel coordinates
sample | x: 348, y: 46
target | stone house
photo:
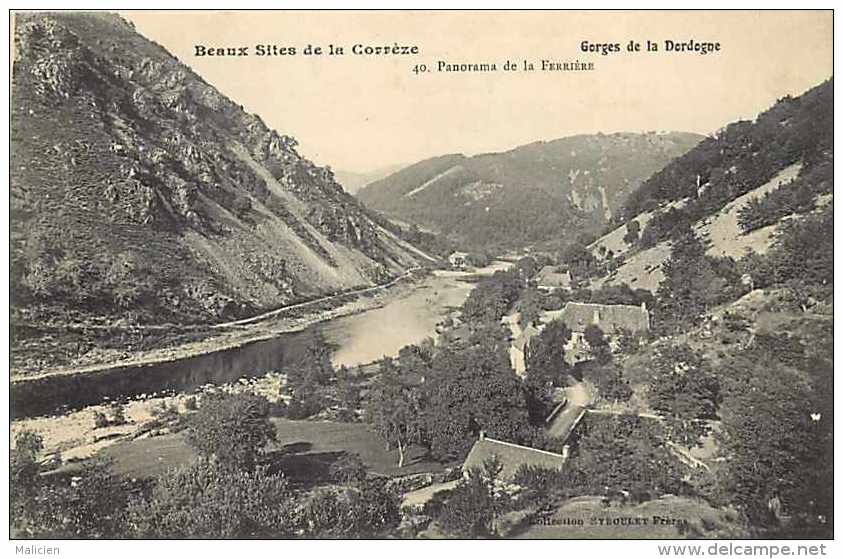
x: 613, y: 320
x: 549, y: 279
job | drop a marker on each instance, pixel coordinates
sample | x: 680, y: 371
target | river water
x: 355, y: 339
x: 368, y: 336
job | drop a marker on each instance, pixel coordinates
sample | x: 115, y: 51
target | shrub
x: 364, y: 511
x: 118, y: 414
x: 207, y: 499
x: 90, y: 505
x: 191, y: 404
x: 24, y: 472
x: 347, y: 468
x: 100, y: 420
x: 469, y: 510
x: 233, y: 428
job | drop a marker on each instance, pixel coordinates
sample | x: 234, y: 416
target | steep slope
x: 736, y: 190
x: 138, y: 191
x: 534, y: 193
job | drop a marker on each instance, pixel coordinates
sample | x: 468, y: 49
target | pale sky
x: 359, y: 113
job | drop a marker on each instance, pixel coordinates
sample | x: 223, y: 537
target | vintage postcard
x: 391, y: 274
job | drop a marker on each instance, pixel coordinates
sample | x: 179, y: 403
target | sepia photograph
x: 422, y: 274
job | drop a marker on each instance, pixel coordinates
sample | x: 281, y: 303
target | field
x: 304, y: 451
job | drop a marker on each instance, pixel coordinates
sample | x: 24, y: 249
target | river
x: 355, y: 339
x: 368, y: 336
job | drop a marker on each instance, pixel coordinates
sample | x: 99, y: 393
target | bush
x: 90, y: 505
x: 233, y: 428
x: 207, y: 499
x: 118, y: 414
x: 100, y: 420
x: 365, y: 511
x: 348, y: 468
x: 469, y: 510
x: 24, y: 472
x: 191, y: 404
x: 306, y: 402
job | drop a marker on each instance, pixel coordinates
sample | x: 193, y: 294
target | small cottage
x: 458, y: 260
x: 548, y: 279
x: 613, y: 320
x: 511, y: 457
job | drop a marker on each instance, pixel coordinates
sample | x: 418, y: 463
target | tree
x: 315, y: 367
x: 394, y: 411
x: 241, y: 205
x: 530, y: 306
x: 348, y: 392
x: 469, y: 390
x: 626, y: 454
x: 684, y: 390
x: 308, y: 377
x: 609, y: 380
x: 804, y: 250
x: 232, y: 428
x: 307, y: 401
x: 493, y: 296
x: 415, y: 360
x: 633, y: 232
x: 347, y: 468
x: 597, y: 343
x: 579, y: 260
x: 775, y: 439
x: 207, y: 499
x: 546, y: 368
x: 469, y: 510
x: 545, y: 355
x: 688, y: 277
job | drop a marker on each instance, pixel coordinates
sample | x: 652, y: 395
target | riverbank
x: 411, y: 311
x: 147, y: 345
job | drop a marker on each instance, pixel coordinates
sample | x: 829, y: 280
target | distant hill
x: 735, y: 189
x: 139, y: 192
x: 352, y: 182
x: 533, y: 193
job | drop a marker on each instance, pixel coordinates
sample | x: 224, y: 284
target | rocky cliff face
x: 138, y: 190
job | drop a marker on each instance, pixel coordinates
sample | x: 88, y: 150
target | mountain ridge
x: 531, y: 193
x: 141, y: 192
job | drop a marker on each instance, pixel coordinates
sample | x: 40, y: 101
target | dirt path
x: 579, y: 398
x: 287, y: 308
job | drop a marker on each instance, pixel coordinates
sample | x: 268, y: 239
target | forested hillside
x: 741, y: 157
x: 539, y: 192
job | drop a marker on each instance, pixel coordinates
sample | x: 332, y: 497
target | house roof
x: 610, y: 318
x: 549, y: 277
x: 511, y: 456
